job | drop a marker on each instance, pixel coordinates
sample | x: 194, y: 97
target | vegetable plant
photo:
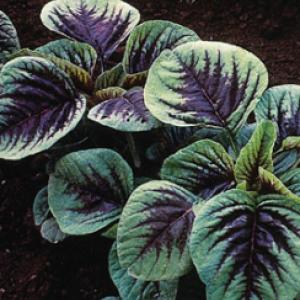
x: 215, y: 188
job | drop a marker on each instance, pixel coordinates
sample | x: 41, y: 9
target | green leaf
x: 270, y: 184
x: 292, y: 180
x: 41, y: 206
x: 281, y: 104
x: 172, y: 138
x: 105, y: 94
x: 247, y: 247
x: 257, y: 153
x: 9, y: 42
x: 88, y: 189
x: 50, y: 231
x: 111, y: 232
x: 154, y: 230
x: 111, y: 78
x: 290, y: 143
x: 205, y: 83
x: 204, y: 168
x: 133, y: 80
x: 79, y: 54
x: 285, y: 161
x: 133, y: 289
x: 81, y: 78
x: 149, y: 39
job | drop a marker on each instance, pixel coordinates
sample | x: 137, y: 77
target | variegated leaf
x: 38, y: 106
x: 88, y: 189
x: 292, y: 180
x: 246, y: 247
x: 133, y: 289
x: 258, y: 152
x: 149, y: 39
x: 103, y: 24
x: 205, y: 83
x: 9, y: 42
x: 154, y: 230
x: 110, y: 78
x: 270, y: 184
x: 204, y: 168
x: 125, y: 113
x: 281, y: 104
x: 81, y: 78
x: 79, y: 54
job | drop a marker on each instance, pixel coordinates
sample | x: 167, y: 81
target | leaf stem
x: 133, y: 151
x: 232, y: 143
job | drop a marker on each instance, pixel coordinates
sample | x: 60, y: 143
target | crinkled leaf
x: 284, y: 161
x: 39, y: 105
x: 81, y: 78
x: 240, y: 139
x: 105, y: 94
x: 41, y: 207
x: 154, y: 230
x: 88, y: 189
x: 103, y: 24
x: 149, y: 39
x: 247, y: 248
x: 270, y: 184
x: 133, y: 289
x: 80, y: 54
x: 204, y: 168
x: 205, y: 83
x: 290, y: 143
x: 292, y: 180
x: 257, y: 153
x: 50, y: 231
x: 125, y: 113
x: 9, y: 42
x: 281, y: 104
x: 173, y: 138
x: 132, y: 80
x: 110, y: 78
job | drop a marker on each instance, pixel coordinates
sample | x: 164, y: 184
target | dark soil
x: 30, y: 268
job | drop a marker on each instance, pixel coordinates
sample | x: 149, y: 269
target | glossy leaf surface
x: 80, y: 54
x: 133, y: 289
x: 125, y: 113
x: 9, y: 41
x: 154, y: 230
x: 205, y: 83
x: 281, y: 104
x: 149, y: 39
x: 103, y: 24
x: 88, y: 189
x: 39, y: 105
x: 257, y: 153
x: 204, y: 168
x: 246, y: 247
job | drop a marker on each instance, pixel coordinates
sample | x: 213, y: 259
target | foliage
x: 207, y: 186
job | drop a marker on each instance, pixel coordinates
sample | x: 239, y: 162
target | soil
x: 31, y: 268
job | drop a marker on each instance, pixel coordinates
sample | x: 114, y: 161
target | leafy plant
x: 213, y: 181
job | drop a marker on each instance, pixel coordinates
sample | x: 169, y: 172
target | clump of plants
x: 222, y: 189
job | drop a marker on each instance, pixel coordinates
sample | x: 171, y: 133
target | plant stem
x: 232, y: 143
x: 133, y: 151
